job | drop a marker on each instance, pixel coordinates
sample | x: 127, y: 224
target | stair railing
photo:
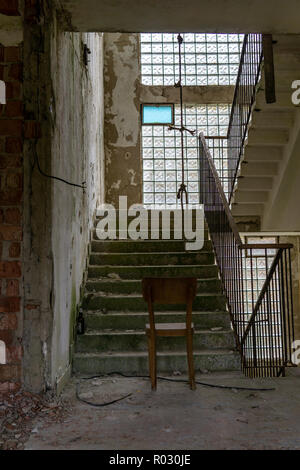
x: 256, y: 280
x: 244, y: 98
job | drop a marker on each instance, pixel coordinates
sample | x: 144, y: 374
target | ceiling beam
x: 266, y: 16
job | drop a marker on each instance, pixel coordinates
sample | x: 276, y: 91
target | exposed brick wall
x: 11, y: 192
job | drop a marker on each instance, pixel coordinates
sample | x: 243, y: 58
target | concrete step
x: 138, y: 272
x: 148, y: 208
x: 250, y: 197
x: 137, y: 320
x: 262, y: 153
x: 135, y: 286
x: 255, y: 183
x: 145, y: 246
x: 137, y: 362
x: 148, y: 217
x: 122, y: 341
x: 247, y: 209
x: 136, y: 303
x: 265, y: 137
x: 150, y: 259
x: 258, y: 169
x: 283, y: 78
x: 286, y: 42
x: 286, y: 58
x: 281, y: 120
x: 158, y: 236
x: 283, y: 101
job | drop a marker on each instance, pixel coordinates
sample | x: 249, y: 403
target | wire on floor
x: 205, y: 384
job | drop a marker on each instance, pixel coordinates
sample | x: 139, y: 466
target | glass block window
x: 161, y: 153
x: 256, y: 265
x: 208, y: 59
x: 259, y: 253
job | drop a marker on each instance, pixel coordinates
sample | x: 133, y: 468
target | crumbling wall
x: 12, y: 130
x: 124, y: 94
x: 76, y: 114
x: 63, y: 96
x: 51, y: 124
x: 123, y: 167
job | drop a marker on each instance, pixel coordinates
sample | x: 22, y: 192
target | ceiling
x: 267, y: 16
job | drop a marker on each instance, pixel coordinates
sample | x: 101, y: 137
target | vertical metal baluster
x: 289, y: 327
x: 283, y: 313
x: 270, y: 337
x: 277, y: 319
x: 292, y: 338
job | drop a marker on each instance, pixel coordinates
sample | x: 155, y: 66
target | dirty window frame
x: 169, y: 105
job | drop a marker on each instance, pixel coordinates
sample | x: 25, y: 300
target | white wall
x: 281, y: 212
x: 77, y: 155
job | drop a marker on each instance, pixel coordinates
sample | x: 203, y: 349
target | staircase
x: 270, y: 134
x: 115, y: 312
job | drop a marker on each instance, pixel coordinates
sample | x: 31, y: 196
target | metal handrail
x: 261, y: 309
x: 243, y: 100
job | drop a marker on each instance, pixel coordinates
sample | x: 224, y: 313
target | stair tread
x: 142, y: 333
x: 106, y: 280
x: 135, y: 296
x: 146, y: 240
x: 121, y: 314
x: 137, y: 272
x: 201, y: 352
x: 113, y: 281
x: 165, y: 253
x: 151, y: 266
x: 117, y: 338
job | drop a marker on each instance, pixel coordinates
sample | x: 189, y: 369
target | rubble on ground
x: 19, y: 412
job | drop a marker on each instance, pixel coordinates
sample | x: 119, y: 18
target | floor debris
x: 172, y: 418
x: 18, y: 413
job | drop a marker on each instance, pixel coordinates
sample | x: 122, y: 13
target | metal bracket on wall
x: 267, y: 44
x: 86, y: 52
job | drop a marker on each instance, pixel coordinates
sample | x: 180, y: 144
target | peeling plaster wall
x: 123, y: 168
x: 192, y: 94
x: 66, y: 97
x: 12, y: 127
x: 123, y: 95
x: 248, y: 223
x: 37, y: 200
x: 77, y: 113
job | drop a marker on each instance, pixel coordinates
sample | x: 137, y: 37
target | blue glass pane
x: 157, y: 114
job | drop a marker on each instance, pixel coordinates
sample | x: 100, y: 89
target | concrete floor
x: 175, y: 418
